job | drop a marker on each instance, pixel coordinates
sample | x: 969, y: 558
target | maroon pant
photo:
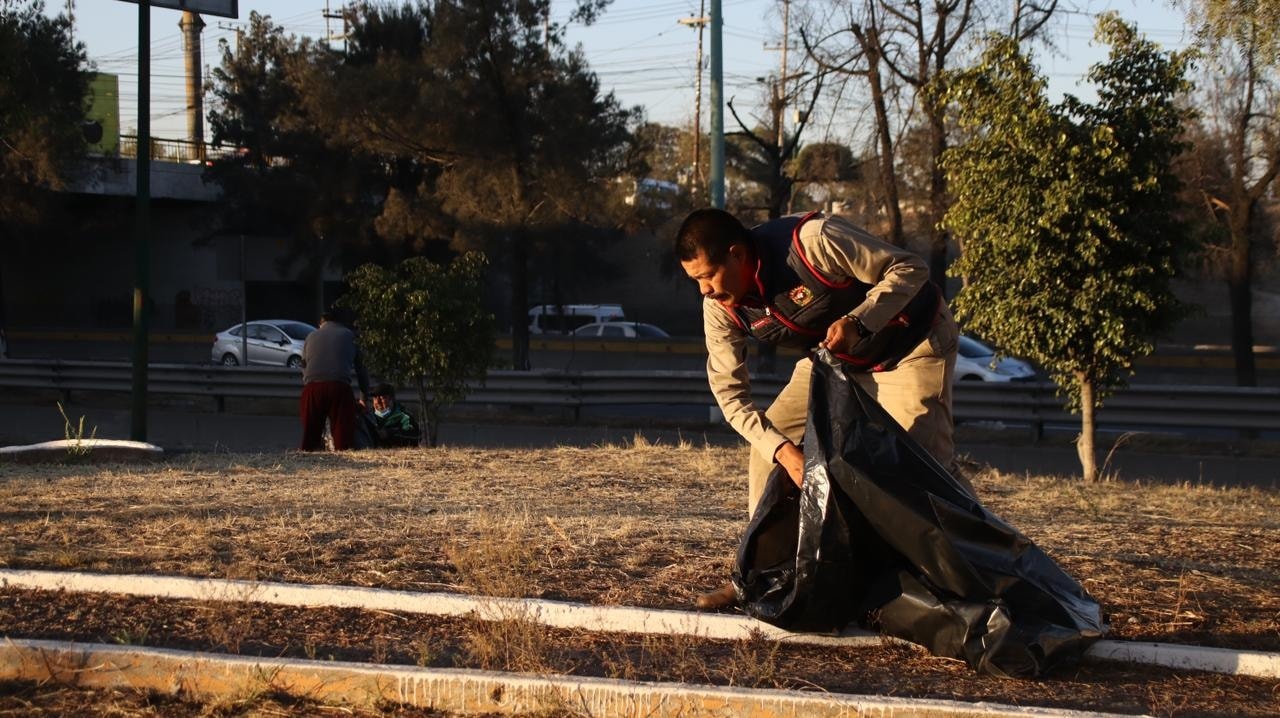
x: 330, y: 400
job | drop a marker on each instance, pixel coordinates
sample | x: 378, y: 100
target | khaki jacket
x: 840, y: 250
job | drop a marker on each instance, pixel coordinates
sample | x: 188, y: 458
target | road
x: 1169, y: 366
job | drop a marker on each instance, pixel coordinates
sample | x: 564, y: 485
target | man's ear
x: 739, y: 252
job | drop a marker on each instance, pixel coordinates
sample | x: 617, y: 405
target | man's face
x: 381, y: 402
x: 726, y: 283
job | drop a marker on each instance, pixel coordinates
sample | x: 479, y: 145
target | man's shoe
x: 722, y: 597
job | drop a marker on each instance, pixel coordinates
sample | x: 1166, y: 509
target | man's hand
x: 841, y: 335
x: 791, y: 458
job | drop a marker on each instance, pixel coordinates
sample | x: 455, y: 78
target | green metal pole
x: 142, y: 229
x: 717, y: 107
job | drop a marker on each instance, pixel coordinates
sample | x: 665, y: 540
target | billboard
x: 104, y: 111
x: 221, y: 8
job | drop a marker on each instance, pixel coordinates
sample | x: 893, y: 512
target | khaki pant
x: 916, y: 393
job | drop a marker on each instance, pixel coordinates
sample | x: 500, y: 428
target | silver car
x: 976, y: 361
x: 274, y: 342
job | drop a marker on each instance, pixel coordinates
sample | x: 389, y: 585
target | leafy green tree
x: 287, y: 177
x: 43, y: 89
x: 1068, y: 213
x: 520, y: 140
x: 423, y: 324
x: 1242, y: 124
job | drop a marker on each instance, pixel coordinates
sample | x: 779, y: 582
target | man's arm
x: 840, y: 250
x: 731, y: 383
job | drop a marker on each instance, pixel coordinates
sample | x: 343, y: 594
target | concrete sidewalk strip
x: 561, y: 614
x: 208, y: 675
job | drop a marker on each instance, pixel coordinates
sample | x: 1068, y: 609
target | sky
x: 638, y: 48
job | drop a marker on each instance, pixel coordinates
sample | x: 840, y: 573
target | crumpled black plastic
x: 884, y: 537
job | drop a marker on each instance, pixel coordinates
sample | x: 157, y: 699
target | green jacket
x: 397, y: 428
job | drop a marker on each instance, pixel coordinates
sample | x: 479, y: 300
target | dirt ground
x: 639, y: 524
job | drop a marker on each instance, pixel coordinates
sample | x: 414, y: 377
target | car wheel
x: 295, y: 362
x: 229, y: 359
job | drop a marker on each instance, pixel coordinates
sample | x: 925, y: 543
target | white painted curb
x: 85, y: 445
x: 454, y: 690
x: 557, y: 614
x: 560, y: 614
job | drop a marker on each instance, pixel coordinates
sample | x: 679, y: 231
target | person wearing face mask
x: 387, y: 424
x: 813, y: 281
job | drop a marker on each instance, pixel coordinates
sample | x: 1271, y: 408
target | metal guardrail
x: 1033, y: 404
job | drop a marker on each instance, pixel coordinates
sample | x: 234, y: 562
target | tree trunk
x: 517, y: 270
x: 1240, y: 292
x: 1084, y: 444
x: 5, y: 241
x: 425, y: 437
x: 937, y: 194
x: 432, y: 428
x: 870, y: 42
x: 317, y: 286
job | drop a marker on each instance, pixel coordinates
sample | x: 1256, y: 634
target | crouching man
x: 809, y: 282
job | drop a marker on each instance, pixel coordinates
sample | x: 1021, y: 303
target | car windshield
x: 296, y: 330
x: 974, y: 349
x: 235, y: 331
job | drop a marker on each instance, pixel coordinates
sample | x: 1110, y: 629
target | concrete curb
x: 560, y: 614
x: 206, y: 675
x: 557, y: 614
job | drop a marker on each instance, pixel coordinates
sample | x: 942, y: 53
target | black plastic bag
x: 883, y: 536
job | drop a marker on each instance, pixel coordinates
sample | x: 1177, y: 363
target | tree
x: 520, y: 138
x: 912, y: 44
x: 825, y: 169
x: 765, y: 154
x: 287, y: 177
x: 43, y: 88
x: 423, y: 324
x: 1243, y: 42
x: 1068, y: 213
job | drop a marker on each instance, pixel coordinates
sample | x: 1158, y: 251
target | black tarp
x: 884, y: 537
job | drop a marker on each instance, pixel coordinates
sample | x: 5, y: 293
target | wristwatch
x: 858, y: 326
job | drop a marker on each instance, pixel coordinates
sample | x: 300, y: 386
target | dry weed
x: 514, y: 642
x: 754, y: 662
x: 496, y: 557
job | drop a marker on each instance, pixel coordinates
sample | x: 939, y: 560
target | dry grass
x: 638, y: 524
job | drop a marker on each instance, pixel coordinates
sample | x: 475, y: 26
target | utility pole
x: 699, y: 22
x: 142, y: 231
x: 782, y: 79
x: 192, y: 25
x: 717, y: 106
x: 328, y: 34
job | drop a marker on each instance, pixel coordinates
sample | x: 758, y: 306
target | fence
x: 1031, y: 404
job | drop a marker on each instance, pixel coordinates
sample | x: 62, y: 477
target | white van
x: 564, y: 318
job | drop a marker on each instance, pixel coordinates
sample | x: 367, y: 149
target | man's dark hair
x: 384, y: 389
x: 712, y: 231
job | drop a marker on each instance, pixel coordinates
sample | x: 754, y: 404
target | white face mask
x: 382, y: 412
